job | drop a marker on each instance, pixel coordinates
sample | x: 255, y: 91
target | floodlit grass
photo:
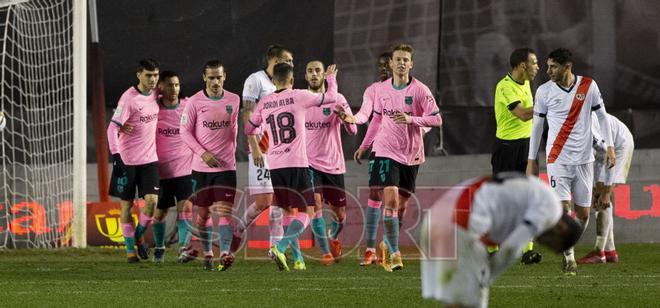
x: 101, y: 277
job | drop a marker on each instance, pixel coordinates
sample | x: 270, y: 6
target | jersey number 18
x: 282, y: 127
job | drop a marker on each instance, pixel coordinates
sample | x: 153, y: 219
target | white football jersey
x: 569, y: 134
x: 257, y: 86
x: 621, y: 136
x: 499, y: 207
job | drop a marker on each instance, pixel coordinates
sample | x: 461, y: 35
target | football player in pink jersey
x: 402, y: 107
x: 257, y: 86
x: 209, y: 126
x: 174, y: 159
x: 375, y: 194
x: 326, y: 161
x: 284, y: 113
x: 567, y: 101
x: 134, y: 155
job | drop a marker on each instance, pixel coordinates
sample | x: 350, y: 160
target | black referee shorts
x: 510, y: 155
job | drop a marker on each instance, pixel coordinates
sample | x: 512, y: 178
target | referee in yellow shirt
x: 513, y: 114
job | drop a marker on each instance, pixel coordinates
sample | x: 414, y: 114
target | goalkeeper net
x: 37, y: 180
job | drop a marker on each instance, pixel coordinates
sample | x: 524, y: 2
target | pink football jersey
x: 284, y: 112
x: 211, y: 125
x: 402, y: 142
x: 139, y: 111
x: 323, y: 128
x: 174, y: 156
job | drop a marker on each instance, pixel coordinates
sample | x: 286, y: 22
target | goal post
x: 79, y: 223
x: 44, y: 149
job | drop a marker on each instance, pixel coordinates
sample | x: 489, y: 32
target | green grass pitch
x: 100, y: 277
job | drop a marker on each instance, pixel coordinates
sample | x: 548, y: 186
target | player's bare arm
x: 257, y: 155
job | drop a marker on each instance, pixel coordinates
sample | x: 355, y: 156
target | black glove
x: 117, y: 165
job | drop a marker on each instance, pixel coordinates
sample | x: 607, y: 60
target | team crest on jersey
x: 229, y: 109
x: 579, y: 96
x: 409, y: 100
x: 326, y: 111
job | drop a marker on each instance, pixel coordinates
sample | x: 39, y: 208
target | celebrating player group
x: 180, y: 152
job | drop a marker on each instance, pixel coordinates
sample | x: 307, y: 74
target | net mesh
x: 37, y: 144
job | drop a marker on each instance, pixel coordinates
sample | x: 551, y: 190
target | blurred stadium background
x: 462, y: 49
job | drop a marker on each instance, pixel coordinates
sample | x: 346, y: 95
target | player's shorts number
x: 282, y: 127
x: 263, y: 174
x: 553, y: 183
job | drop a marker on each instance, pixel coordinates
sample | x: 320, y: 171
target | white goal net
x: 37, y: 97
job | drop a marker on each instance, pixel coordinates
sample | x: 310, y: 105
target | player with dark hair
x: 284, y: 113
x: 509, y: 209
x: 209, y: 126
x: 257, y: 86
x: 513, y: 112
x: 174, y: 165
x: 134, y: 155
x: 568, y: 101
x: 326, y: 162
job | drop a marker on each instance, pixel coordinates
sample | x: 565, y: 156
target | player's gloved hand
x: 611, y: 157
x: 258, y: 158
x: 127, y: 129
x: 117, y: 164
x: 401, y: 118
x: 345, y: 117
x: 210, y: 160
x: 358, y: 154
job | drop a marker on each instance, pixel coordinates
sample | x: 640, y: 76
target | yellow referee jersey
x: 507, y: 92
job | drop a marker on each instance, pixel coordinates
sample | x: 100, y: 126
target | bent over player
x: 509, y: 210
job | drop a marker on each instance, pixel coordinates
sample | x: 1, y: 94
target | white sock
x: 609, y: 243
x: 250, y: 215
x: 275, y: 225
x: 569, y: 255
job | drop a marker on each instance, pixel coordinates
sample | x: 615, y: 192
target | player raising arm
x: 326, y: 161
x: 284, y: 113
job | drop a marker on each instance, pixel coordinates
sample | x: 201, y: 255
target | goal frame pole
x: 79, y: 223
